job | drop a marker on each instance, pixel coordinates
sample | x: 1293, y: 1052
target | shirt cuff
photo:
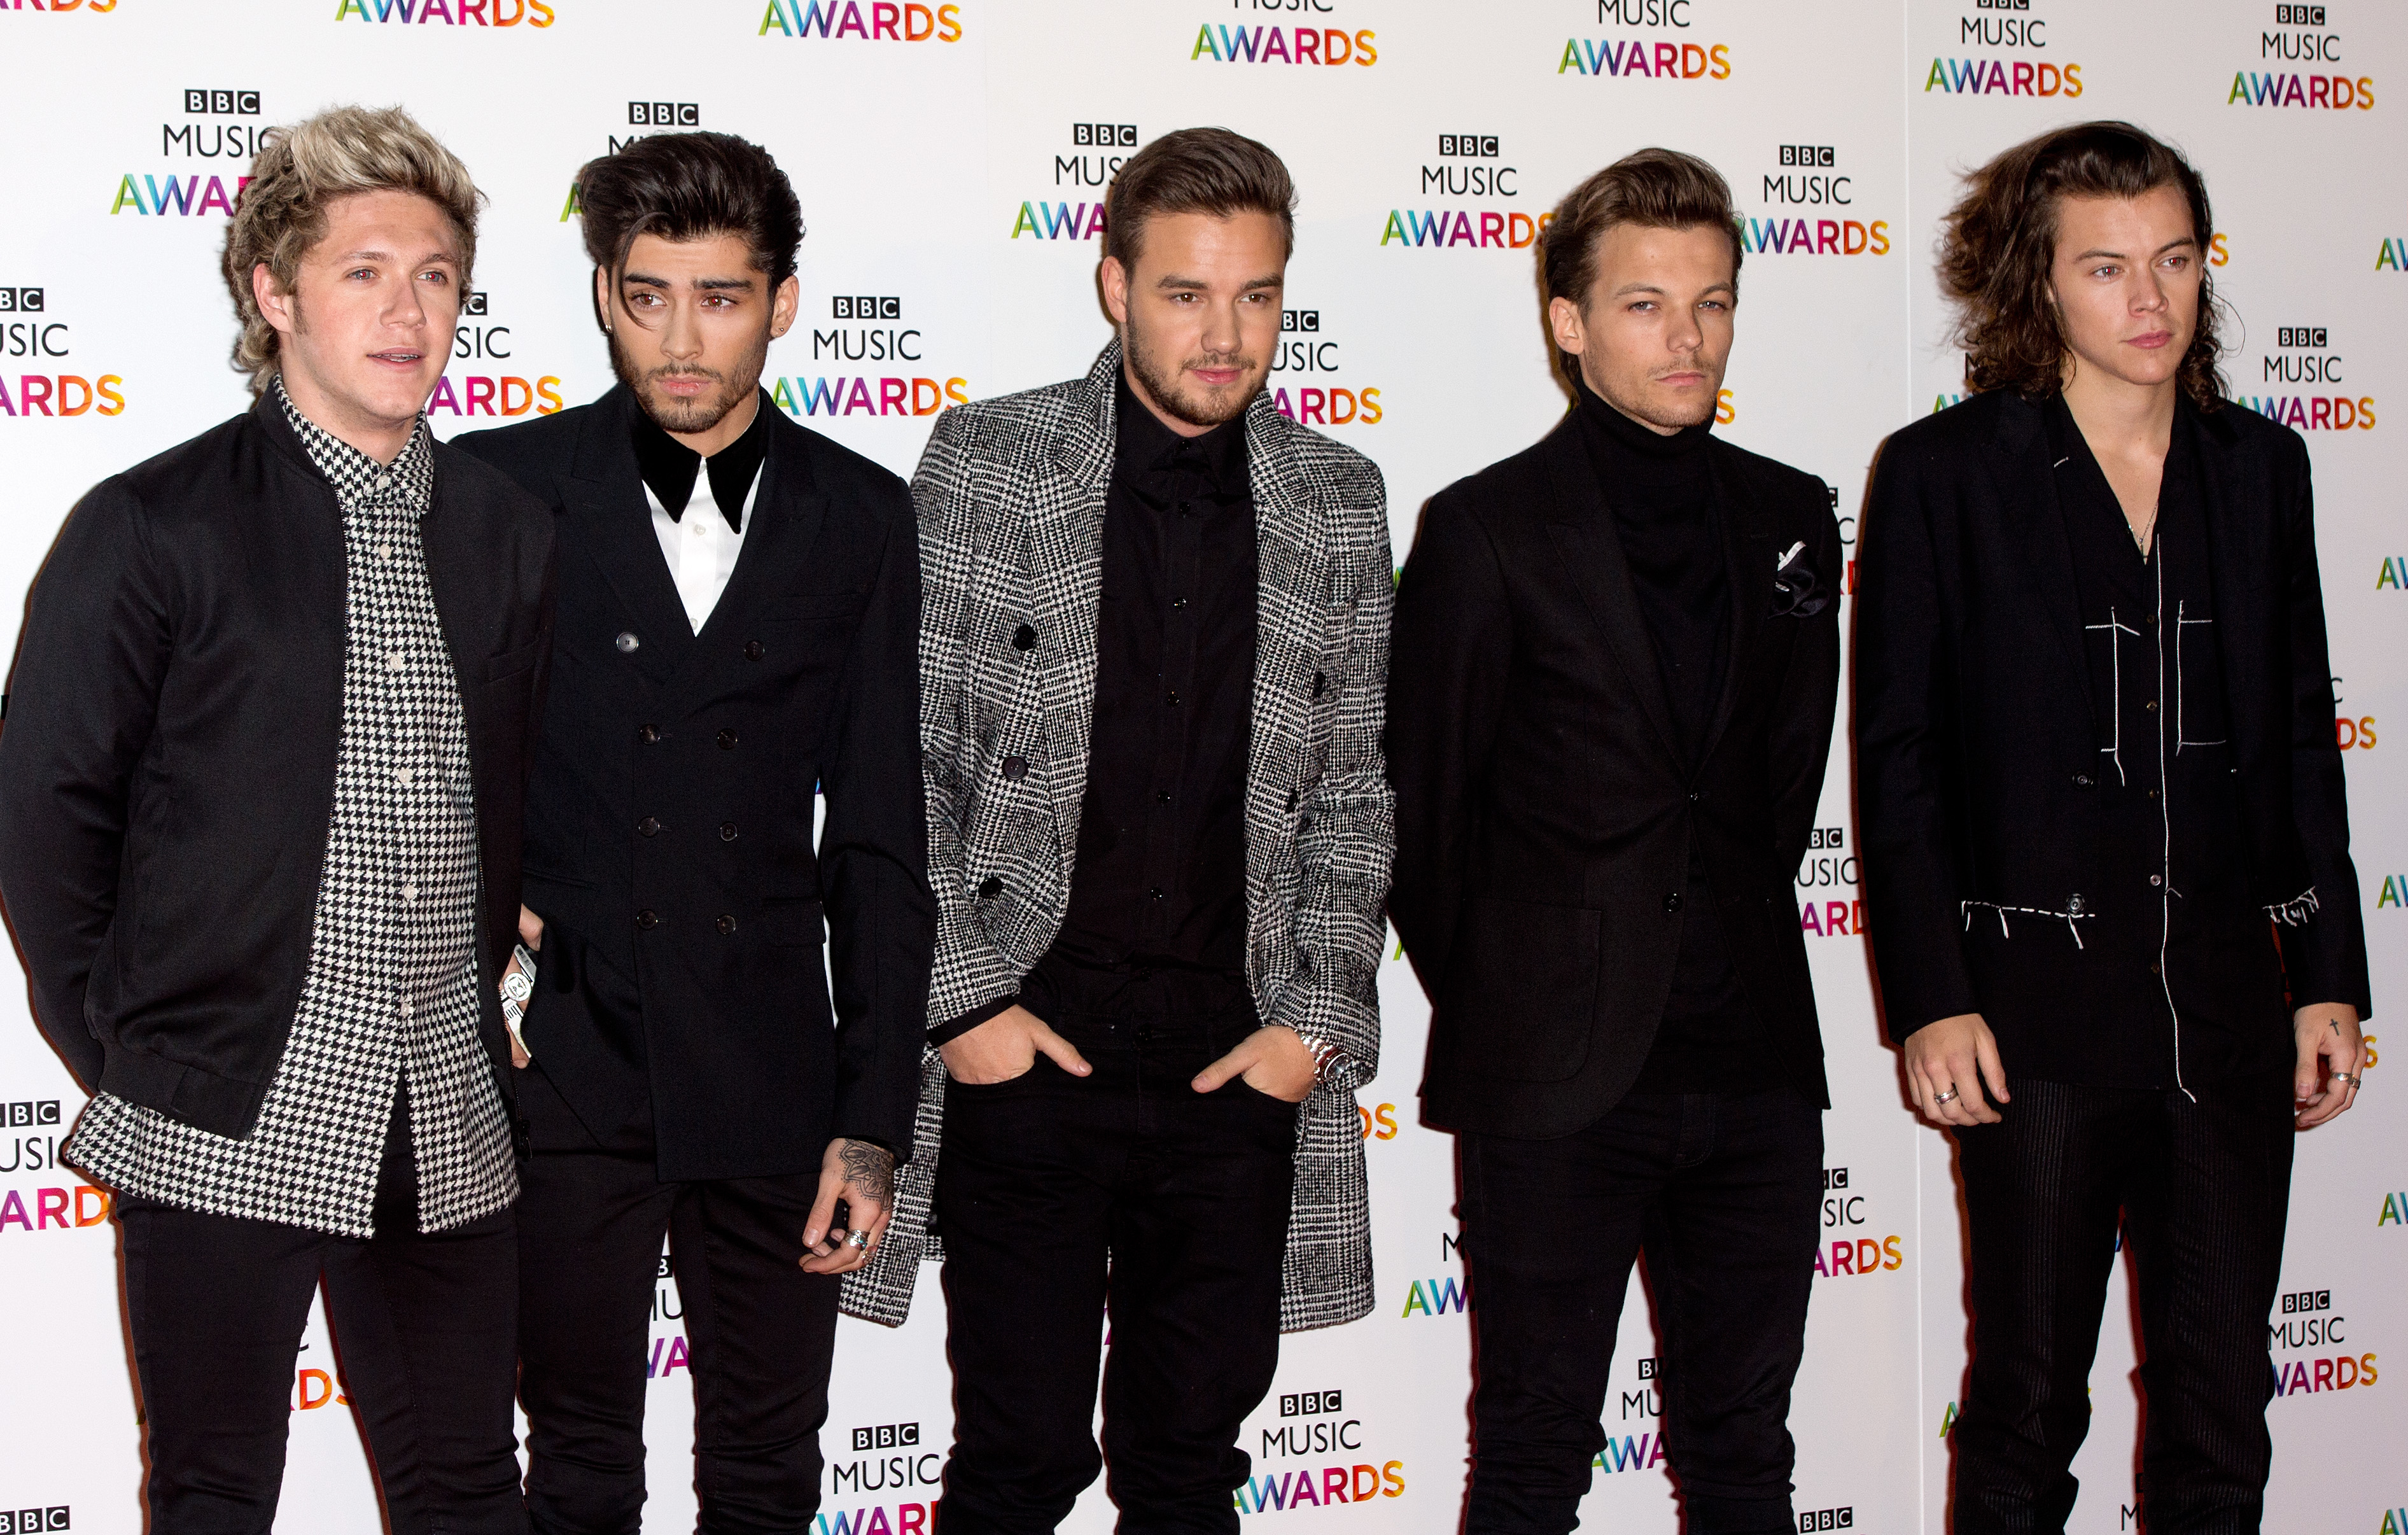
x: 955, y: 1028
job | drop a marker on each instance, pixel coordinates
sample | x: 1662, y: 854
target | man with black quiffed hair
x: 740, y: 609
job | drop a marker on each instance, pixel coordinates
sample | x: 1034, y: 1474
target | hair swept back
x: 1655, y: 188
x: 1999, y: 244
x: 1196, y: 170
x: 340, y: 152
x: 691, y: 186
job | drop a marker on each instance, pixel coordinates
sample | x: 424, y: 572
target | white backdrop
x: 950, y: 160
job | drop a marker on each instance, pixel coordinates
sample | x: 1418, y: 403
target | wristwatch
x: 517, y: 987
x: 1324, y: 1055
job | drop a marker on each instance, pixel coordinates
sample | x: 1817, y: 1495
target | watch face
x: 518, y: 988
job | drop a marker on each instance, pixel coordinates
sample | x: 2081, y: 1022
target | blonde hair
x: 282, y: 214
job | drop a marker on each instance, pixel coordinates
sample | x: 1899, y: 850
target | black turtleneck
x: 669, y: 467
x: 1661, y: 492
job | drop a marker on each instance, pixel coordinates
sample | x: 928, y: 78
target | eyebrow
x: 2191, y: 240
x: 1198, y: 284
x: 705, y: 285
x: 387, y: 255
x: 1629, y: 288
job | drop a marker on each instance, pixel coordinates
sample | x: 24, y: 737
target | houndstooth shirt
x: 390, y: 998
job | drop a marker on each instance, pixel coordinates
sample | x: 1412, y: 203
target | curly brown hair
x: 1998, y: 244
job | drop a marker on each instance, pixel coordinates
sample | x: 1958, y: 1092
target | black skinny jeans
x: 1047, y: 1183
x: 1724, y: 1194
x: 2203, y: 1190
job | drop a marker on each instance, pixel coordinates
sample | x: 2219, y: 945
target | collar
x: 669, y: 467
x: 1144, y: 446
x: 1680, y: 455
x: 357, y: 479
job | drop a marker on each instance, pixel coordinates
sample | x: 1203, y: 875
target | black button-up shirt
x: 1161, y: 870
x: 2170, y: 973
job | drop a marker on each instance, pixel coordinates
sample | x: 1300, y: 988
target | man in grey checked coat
x: 1154, y: 645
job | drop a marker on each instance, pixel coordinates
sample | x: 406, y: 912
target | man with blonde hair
x: 260, y: 809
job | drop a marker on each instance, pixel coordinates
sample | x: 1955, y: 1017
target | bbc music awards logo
x: 867, y: 329
x: 1855, y: 1251
x: 888, y: 1459
x: 2300, y: 35
x: 216, y: 125
x: 1831, y: 904
x: 1470, y: 166
x: 2307, y: 357
x: 480, y: 340
x: 2025, y: 61
x: 1094, y: 160
x: 652, y: 117
x: 1316, y: 1454
x: 1812, y: 203
x: 1645, y: 39
x: 32, y: 333
x: 2310, y: 1339
x: 456, y: 13
x: 1274, y: 43
x: 842, y: 20
x: 31, y: 1148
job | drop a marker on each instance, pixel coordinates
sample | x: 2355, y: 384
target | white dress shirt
x: 701, y: 549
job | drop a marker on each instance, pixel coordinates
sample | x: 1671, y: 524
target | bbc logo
x: 2298, y: 16
x: 885, y: 1436
x: 21, y: 301
x: 1311, y: 1404
x: 33, y: 1112
x: 1828, y: 1518
x: 222, y: 103
x: 1825, y: 836
x: 1651, y: 1369
x: 29, y: 1521
x: 474, y: 303
x: 664, y: 114
x: 2306, y: 1301
x: 1105, y: 136
x: 864, y: 306
x: 1468, y: 146
x: 1834, y: 1178
x: 2299, y: 336
x: 1809, y: 154
x: 1300, y: 320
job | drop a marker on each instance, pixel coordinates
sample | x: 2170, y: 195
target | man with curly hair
x: 260, y: 804
x: 2106, y: 845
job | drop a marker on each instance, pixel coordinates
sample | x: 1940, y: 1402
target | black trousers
x: 2203, y: 1190
x: 760, y: 1332
x: 422, y: 1330
x: 1048, y: 1183
x: 1723, y: 1195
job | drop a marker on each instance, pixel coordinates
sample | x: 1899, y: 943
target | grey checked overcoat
x: 1011, y: 503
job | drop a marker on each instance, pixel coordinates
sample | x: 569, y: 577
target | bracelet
x: 1324, y: 1055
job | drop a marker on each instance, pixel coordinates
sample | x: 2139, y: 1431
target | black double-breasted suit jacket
x: 671, y: 821
x: 1545, y: 815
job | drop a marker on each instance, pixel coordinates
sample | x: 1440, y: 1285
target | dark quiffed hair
x: 1998, y: 243
x: 1659, y: 189
x: 1196, y: 170
x: 691, y: 187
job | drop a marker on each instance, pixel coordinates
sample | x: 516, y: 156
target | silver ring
x: 858, y: 1239
x: 1945, y: 1097
x: 2343, y: 1076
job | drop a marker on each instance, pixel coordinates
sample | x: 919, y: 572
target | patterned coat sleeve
x: 968, y: 970
x: 1347, y: 839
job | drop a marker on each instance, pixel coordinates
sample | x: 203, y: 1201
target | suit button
x: 726, y: 925
x: 1320, y: 684
x: 1015, y: 769
x: 646, y: 920
x: 650, y: 826
x: 1156, y: 892
x: 727, y: 741
x: 990, y: 887
x: 753, y: 651
x: 626, y: 642
x: 1171, y: 698
x: 1697, y: 795
x: 2082, y: 781
x: 1024, y: 638
x: 1672, y: 902
x: 648, y: 733
x: 1291, y: 800
x: 727, y: 831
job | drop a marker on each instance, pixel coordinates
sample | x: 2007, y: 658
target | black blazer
x: 1976, y: 751
x: 1544, y: 817
x: 669, y: 825
x: 168, y: 769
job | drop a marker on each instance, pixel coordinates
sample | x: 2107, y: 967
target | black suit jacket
x: 669, y: 825
x: 1544, y: 815
x: 1976, y: 752
x: 168, y: 769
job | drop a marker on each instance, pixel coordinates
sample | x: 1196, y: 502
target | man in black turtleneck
x: 1616, y: 662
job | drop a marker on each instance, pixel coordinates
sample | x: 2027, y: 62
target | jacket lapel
x: 1748, y: 558
x: 1293, y: 531
x: 615, y: 527
x: 1581, y: 527
x: 2019, y: 456
x: 1065, y: 516
x: 779, y: 533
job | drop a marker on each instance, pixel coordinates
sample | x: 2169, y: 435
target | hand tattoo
x: 870, y: 1169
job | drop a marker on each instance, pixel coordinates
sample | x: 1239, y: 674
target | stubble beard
x: 1196, y: 407
x: 1655, y: 415
x: 704, y: 412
